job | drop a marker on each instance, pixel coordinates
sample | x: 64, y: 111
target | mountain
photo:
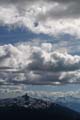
x: 29, y: 108
x: 70, y: 102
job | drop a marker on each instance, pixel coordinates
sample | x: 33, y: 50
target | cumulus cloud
x: 52, y: 17
x: 32, y: 63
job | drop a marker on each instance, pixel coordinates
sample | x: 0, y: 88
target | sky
x: 39, y: 42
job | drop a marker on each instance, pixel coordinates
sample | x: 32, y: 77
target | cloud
x: 31, y: 63
x: 52, y: 17
x: 54, y: 61
x: 46, y: 95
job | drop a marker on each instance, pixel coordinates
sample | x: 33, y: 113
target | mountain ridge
x: 32, y: 108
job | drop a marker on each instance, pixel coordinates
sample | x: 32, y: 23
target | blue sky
x: 20, y: 34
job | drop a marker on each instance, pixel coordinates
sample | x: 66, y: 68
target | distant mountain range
x: 70, y: 102
x: 35, y: 109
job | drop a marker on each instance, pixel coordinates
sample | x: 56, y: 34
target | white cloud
x: 52, y: 18
x: 32, y: 63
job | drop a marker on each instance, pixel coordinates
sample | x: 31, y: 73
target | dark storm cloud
x: 64, y: 1
x: 73, y: 7
x: 28, y: 1
x: 5, y: 67
x: 15, y: 1
x: 65, y: 9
